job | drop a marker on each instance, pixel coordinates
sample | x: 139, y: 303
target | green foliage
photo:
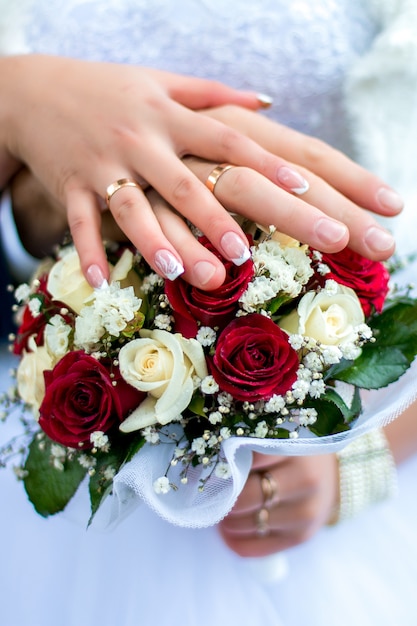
x: 384, y: 361
x: 48, y: 488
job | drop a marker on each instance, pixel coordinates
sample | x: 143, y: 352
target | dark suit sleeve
x: 6, y: 299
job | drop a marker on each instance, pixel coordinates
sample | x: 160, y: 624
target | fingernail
x: 234, y: 248
x: 95, y: 276
x: 203, y: 271
x: 330, y: 231
x: 378, y: 239
x: 292, y: 180
x: 389, y: 199
x: 168, y: 265
x: 264, y: 100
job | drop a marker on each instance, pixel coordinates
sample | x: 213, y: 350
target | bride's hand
x: 81, y: 126
x: 303, y: 497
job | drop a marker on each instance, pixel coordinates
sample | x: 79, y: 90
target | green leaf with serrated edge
x: 384, y: 361
x: 334, y: 415
x: 50, y: 489
x: 100, y: 486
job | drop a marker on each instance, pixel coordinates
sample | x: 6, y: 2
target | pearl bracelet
x: 367, y: 474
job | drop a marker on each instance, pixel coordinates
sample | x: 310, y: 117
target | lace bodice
x: 298, y: 52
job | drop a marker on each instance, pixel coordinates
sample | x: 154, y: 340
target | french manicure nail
x: 234, y: 248
x: 330, y: 231
x: 95, y: 277
x: 389, y: 199
x: 168, y: 265
x: 292, y: 180
x: 203, y: 271
x: 378, y: 239
x: 264, y: 100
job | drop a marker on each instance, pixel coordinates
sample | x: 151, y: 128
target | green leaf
x: 100, y: 485
x: 384, y: 361
x: 196, y: 405
x: 50, y: 489
x: 334, y: 415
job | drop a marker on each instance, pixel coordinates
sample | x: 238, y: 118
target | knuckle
x: 316, y: 150
x: 123, y: 210
x: 183, y: 188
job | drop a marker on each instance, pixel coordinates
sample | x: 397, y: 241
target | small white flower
x: 293, y: 434
x: 350, y: 351
x: 313, y: 362
x: 209, y: 385
x: 58, y: 451
x: 317, y: 388
x: 331, y: 354
x: 199, y: 445
x: 307, y: 416
x: 163, y: 321
x: 86, y: 461
x: 151, y: 435
x: 364, y: 331
x: 275, y: 404
x: 215, y: 417
x: 57, y: 333
x: 34, y: 305
x: 206, y: 336
x: 296, y: 341
x: 300, y: 389
x: 222, y: 470
x: 99, y: 439
x: 162, y: 485
x: 109, y: 473
x: 261, y: 430
x: 225, y: 432
x: 331, y: 287
x: 22, y: 292
x: 225, y: 399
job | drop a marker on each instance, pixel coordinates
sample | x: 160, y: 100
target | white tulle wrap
x: 190, y: 507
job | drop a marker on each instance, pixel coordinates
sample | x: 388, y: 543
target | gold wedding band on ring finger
x: 269, y: 488
x: 213, y: 177
x: 117, y: 185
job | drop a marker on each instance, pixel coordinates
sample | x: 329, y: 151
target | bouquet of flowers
x: 280, y: 352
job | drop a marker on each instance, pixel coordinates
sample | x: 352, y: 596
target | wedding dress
x: 313, y: 59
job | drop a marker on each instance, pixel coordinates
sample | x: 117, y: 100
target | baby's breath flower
x: 199, y: 445
x: 215, y: 417
x: 163, y: 321
x: 307, y: 416
x: 223, y: 470
x: 275, y: 404
x: 151, y: 435
x: 162, y: 485
x: 99, y: 439
x: 331, y: 354
x: 261, y: 430
x: 206, y: 336
x: 34, y: 305
x: 209, y: 385
x: 22, y: 292
x: 317, y: 388
x: 225, y: 432
x: 109, y: 473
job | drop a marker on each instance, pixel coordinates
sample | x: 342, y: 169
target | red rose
x: 80, y: 399
x: 368, y: 279
x: 253, y: 359
x: 210, y: 308
x: 35, y: 325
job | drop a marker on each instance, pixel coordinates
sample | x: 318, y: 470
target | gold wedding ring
x: 269, y: 488
x: 213, y: 177
x: 119, y: 184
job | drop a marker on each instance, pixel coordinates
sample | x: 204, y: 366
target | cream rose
x: 67, y: 284
x: 163, y: 365
x: 330, y: 316
x: 30, y: 381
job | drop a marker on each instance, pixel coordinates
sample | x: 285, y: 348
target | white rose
x: 30, y: 381
x: 67, y: 284
x: 163, y: 365
x: 330, y: 318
